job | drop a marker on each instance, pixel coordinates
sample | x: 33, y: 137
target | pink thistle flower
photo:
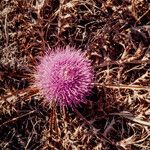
x: 65, y: 76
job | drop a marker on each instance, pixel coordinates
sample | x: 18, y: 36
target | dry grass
x: 115, y: 35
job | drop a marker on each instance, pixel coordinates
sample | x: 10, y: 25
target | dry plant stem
x: 60, y: 15
x: 26, y: 92
x: 14, y: 119
x: 142, y: 16
x: 109, y: 127
x: 133, y: 9
x: 11, y: 98
x: 123, y: 86
x: 121, y: 62
x: 53, y: 121
x: 132, y: 118
x: 92, y: 128
x: 6, y: 31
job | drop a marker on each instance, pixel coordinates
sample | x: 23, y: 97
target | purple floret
x: 65, y: 76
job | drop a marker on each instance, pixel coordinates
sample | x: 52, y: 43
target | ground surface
x: 115, y: 35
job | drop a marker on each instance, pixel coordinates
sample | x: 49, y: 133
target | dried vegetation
x: 115, y: 35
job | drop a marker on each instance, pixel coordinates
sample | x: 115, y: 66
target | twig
x: 122, y: 86
x: 6, y: 31
x: 19, y: 117
x: 121, y: 62
x: 60, y: 15
x: 142, y: 16
x: 109, y: 127
x: 132, y: 118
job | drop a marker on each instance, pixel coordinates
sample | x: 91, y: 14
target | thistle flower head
x: 64, y: 76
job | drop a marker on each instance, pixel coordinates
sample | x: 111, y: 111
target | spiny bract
x: 64, y: 76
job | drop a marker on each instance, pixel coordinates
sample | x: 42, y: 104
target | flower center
x: 67, y: 73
